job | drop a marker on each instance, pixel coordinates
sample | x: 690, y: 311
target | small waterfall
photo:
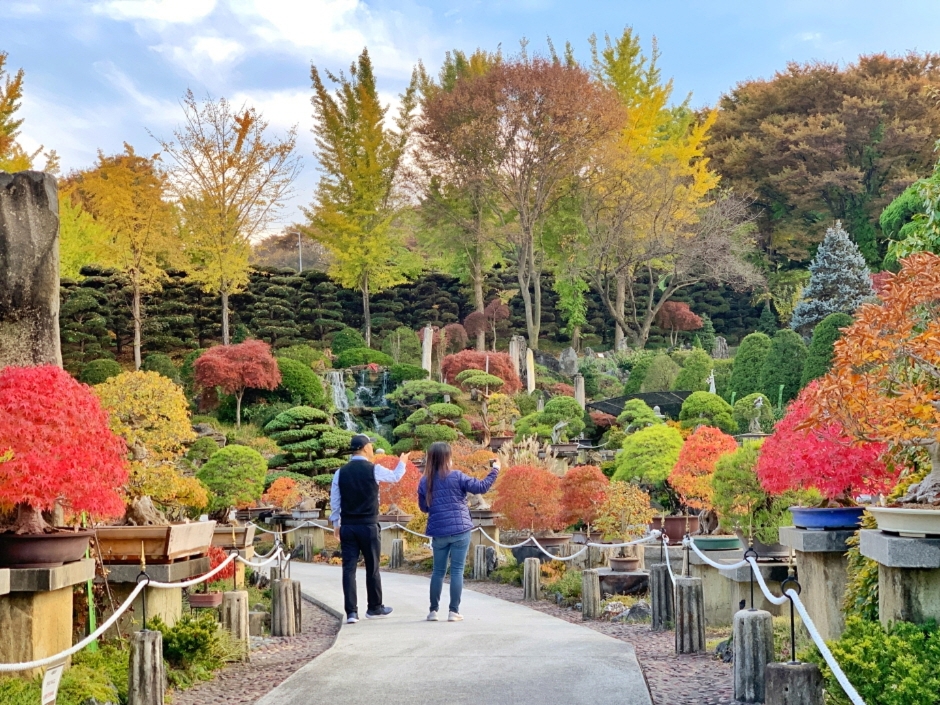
x: 382, y: 400
x: 380, y: 428
x: 340, y: 401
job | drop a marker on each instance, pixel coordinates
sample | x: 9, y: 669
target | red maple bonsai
x: 56, y: 447
x: 529, y: 497
x: 676, y: 316
x: 235, y: 368
x: 822, y: 456
x: 583, y: 491
x: 691, y: 476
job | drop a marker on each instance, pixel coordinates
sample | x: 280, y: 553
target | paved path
x: 501, y: 654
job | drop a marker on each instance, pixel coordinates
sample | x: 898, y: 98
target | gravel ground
x: 698, y: 679
x: 273, y: 659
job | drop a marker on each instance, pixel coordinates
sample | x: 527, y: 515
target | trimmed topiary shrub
x: 819, y: 356
x: 693, y: 377
x: 312, y: 358
x: 234, y: 476
x: 637, y: 414
x: 783, y: 366
x: 300, y: 385
x: 745, y: 410
x: 558, y: 409
x: 431, y: 414
x: 649, y: 455
x: 708, y: 409
x: 346, y: 339
x: 98, y: 371
x: 161, y: 364
x: 403, y: 373
x: 309, y: 443
x: 362, y: 356
x: 638, y: 367
x: 748, y: 363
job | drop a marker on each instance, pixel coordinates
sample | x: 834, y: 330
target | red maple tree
x: 500, y: 364
x: 488, y: 320
x: 529, y: 497
x: 56, y: 446
x: 404, y: 493
x: 822, y: 456
x: 583, y: 491
x: 676, y: 316
x: 235, y: 368
x: 691, y: 476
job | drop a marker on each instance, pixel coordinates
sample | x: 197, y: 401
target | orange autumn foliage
x: 283, y: 493
x: 691, y: 476
x: 583, y: 492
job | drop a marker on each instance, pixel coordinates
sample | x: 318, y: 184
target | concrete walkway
x: 501, y: 654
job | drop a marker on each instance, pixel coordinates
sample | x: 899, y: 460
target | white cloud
x: 171, y: 11
x: 810, y: 37
x: 148, y: 107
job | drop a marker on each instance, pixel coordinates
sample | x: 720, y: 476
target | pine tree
x: 169, y: 324
x: 83, y: 325
x: 783, y: 366
x: 321, y: 310
x: 839, y: 281
x: 707, y: 334
x: 748, y: 363
x: 768, y: 321
x: 819, y: 357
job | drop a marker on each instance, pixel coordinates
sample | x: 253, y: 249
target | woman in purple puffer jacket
x: 442, y: 495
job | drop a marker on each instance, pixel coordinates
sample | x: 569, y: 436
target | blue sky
x: 101, y: 72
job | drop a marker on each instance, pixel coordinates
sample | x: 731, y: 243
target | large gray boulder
x: 568, y: 362
x: 29, y: 269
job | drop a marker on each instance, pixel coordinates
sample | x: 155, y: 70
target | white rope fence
x: 793, y: 595
x: 146, y: 582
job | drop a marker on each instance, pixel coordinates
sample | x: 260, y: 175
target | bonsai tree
x: 56, y: 446
x: 691, y: 476
x: 498, y: 364
x: 583, y: 492
x: 433, y: 418
x: 480, y: 385
x: 705, y: 408
x: 501, y: 414
x: 529, y: 498
x: 822, y: 457
x: 235, y: 368
x: 648, y: 455
x: 235, y: 478
x: 625, y: 514
x: 151, y: 414
x: 310, y: 445
x: 754, y: 414
x: 402, y: 494
x: 284, y: 493
x: 561, y: 419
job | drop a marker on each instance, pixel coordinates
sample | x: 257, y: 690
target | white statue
x: 711, y: 382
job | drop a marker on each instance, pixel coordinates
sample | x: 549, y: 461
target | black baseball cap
x: 360, y: 441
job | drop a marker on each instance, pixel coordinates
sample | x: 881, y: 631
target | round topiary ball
x: 234, y: 477
x: 161, y: 364
x: 98, y: 371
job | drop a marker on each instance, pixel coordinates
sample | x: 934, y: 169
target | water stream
x: 340, y: 401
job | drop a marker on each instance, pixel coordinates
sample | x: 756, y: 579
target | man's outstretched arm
x: 386, y: 475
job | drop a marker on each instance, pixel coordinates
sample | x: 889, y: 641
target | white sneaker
x: 454, y: 617
x: 432, y: 616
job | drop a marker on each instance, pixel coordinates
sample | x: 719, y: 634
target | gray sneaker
x: 352, y: 618
x: 378, y: 613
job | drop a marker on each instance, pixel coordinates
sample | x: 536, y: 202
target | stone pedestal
x: 793, y: 684
x: 753, y: 649
x: 820, y: 558
x: 166, y: 603
x: 36, y: 614
x: 531, y: 579
x: 146, y: 682
x: 740, y: 578
x: 690, y: 618
x: 654, y: 554
x: 908, y: 576
x: 391, y: 534
x: 720, y: 605
x: 661, y: 598
x: 396, y: 559
x: 315, y: 533
x: 590, y: 595
x: 4, y: 581
x: 235, y: 619
x: 579, y: 389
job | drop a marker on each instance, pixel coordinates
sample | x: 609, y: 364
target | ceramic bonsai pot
x: 233, y: 536
x: 624, y: 565
x: 43, y: 550
x: 824, y: 518
x: 160, y: 544
x: 497, y: 442
x: 764, y: 550
x: 915, y: 523
x: 717, y: 543
x: 676, y: 527
x: 205, y: 599
x: 553, y: 541
x: 564, y: 447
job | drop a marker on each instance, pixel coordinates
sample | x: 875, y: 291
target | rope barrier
x: 792, y: 596
x: 534, y: 541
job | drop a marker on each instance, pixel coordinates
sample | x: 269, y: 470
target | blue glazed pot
x: 822, y: 518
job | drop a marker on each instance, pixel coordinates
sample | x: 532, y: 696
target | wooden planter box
x: 159, y: 544
x: 244, y: 536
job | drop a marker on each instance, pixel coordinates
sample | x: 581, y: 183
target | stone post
x: 29, y: 270
x: 274, y: 573
x: 516, y: 347
x: 235, y: 619
x: 427, y: 342
x: 793, y: 684
x: 479, y: 563
x: 298, y: 607
x: 690, y: 616
x: 531, y: 579
x: 283, y: 621
x: 396, y: 558
x: 590, y: 595
x: 306, y: 548
x: 661, y: 598
x: 753, y: 639
x: 146, y: 679
x: 529, y: 371
x: 579, y: 389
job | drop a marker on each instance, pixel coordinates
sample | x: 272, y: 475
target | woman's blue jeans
x: 456, y: 548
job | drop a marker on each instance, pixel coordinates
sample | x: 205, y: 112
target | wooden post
x: 306, y: 547
x: 283, y: 622
x: 396, y: 558
x: 590, y: 595
x: 480, y: 571
x: 235, y: 619
x: 298, y: 607
x: 690, y: 616
x: 146, y: 679
x: 753, y: 639
x: 661, y: 598
x: 531, y: 579
x: 793, y: 684
x: 275, y: 573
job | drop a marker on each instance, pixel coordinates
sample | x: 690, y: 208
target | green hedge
x: 362, y: 356
x: 98, y: 371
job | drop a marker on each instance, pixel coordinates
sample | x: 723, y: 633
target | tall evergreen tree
x: 768, y: 321
x: 748, y: 363
x: 83, y: 324
x: 819, y: 356
x: 169, y: 324
x: 783, y: 366
x: 707, y: 334
x: 839, y: 281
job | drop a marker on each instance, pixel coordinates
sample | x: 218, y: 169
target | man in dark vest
x: 354, y: 500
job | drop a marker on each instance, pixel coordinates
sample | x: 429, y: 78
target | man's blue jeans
x: 456, y: 548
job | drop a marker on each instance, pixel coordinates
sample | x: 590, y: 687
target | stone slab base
x: 823, y: 577
x: 165, y: 573
x: 899, y: 551
x: 48, y: 579
x: 815, y: 541
x: 4, y: 581
x: 719, y: 604
x: 34, y: 625
x: 165, y: 603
